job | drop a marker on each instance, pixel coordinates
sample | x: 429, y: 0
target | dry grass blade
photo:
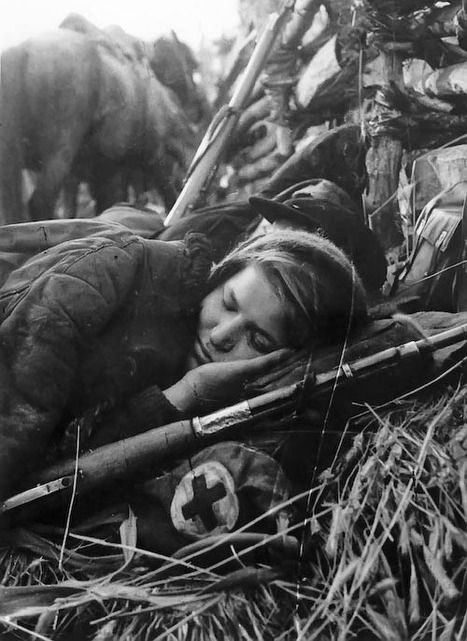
x: 384, y: 557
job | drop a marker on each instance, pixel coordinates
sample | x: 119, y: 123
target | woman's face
x: 241, y: 318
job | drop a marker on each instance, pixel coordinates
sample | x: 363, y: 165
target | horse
x: 170, y: 59
x: 76, y: 104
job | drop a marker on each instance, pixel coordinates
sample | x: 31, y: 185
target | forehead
x: 258, y: 302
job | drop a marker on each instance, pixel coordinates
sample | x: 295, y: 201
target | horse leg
x: 109, y: 186
x: 137, y: 183
x: 53, y: 173
x: 11, y: 201
x: 62, y: 87
x: 70, y: 196
x: 167, y: 183
x: 12, y: 209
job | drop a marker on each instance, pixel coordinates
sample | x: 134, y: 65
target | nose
x: 226, y: 334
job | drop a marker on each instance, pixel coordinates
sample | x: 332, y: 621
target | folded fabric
x: 219, y: 489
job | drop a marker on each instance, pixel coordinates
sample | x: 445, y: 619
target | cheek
x: 245, y: 350
x: 241, y: 351
x: 209, y: 314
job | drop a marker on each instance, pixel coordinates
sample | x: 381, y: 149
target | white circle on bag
x: 205, y: 501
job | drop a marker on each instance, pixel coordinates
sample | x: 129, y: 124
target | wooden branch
x: 397, y: 7
x: 262, y: 167
x: 300, y: 121
x: 339, y: 11
x: 449, y: 81
x: 416, y: 72
x: 263, y: 146
x: 254, y: 113
x: 442, y: 21
x: 338, y: 155
x: 461, y: 26
x: 322, y: 68
x: 300, y: 21
x: 428, y: 130
x: 336, y: 95
x: 383, y: 165
x: 330, y: 78
x: 431, y: 104
x: 383, y: 162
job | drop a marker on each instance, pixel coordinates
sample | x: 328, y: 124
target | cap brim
x: 274, y: 211
x: 345, y: 230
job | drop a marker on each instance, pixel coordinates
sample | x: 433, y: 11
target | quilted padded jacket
x: 89, y: 325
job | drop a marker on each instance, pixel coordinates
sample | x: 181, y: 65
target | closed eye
x: 259, y: 339
x: 260, y: 343
x: 229, y: 300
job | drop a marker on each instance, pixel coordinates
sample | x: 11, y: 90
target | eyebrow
x: 252, y: 324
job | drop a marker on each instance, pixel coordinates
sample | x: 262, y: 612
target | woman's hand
x: 221, y: 383
x: 291, y: 370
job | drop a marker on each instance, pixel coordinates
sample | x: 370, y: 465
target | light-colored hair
x: 322, y: 294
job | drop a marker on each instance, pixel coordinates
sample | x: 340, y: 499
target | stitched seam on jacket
x: 20, y: 293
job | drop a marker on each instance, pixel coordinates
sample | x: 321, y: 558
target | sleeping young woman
x: 124, y: 334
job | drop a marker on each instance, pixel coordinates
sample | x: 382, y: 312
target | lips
x: 201, y: 353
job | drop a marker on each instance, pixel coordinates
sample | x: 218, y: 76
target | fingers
x: 261, y: 363
x: 301, y: 362
x: 290, y: 370
x: 297, y: 362
x: 279, y: 375
x: 268, y: 383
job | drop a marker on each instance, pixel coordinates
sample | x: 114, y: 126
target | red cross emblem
x: 205, y: 501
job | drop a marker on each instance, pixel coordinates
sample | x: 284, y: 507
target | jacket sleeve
x: 185, y: 283
x: 43, y: 330
x: 144, y: 411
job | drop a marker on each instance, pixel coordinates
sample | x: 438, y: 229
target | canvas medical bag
x: 434, y: 272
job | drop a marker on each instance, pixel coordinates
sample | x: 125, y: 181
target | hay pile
x: 380, y: 554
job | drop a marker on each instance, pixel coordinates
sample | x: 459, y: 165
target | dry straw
x: 384, y: 556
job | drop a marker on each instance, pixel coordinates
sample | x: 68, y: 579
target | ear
x: 174, y: 36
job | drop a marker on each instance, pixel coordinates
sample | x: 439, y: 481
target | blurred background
x: 194, y: 22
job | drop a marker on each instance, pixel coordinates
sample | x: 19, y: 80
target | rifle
x: 216, y: 138
x: 137, y: 457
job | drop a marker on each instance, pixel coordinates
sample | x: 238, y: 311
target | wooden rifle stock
x: 138, y: 457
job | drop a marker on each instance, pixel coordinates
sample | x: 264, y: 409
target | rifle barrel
x: 392, y: 355
x: 130, y: 456
x: 216, y: 138
x: 137, y: 457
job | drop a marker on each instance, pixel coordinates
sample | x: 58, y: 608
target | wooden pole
x: 383, y: 161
